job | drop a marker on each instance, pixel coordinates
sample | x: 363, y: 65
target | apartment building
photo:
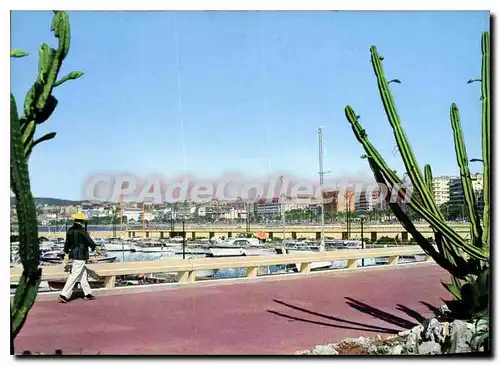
x: 457, y: 194
x: 441, y: 188
x: 367, y: 202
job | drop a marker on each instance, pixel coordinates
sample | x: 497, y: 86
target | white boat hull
x: 259, y: 251
x: 207, y: 273
x: 155, y: 249
x: 117, y: 247
x: 226, y: 252
x: 317, y: 265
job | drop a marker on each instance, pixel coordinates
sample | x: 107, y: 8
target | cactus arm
x: 486, y: 134
x: 17, y: 53
x: 39, y: 103
x: 29, y: 250
x: 453, y: 239
x: 407, y: 155
x: 71, y: 76
x: 428, y: 179
x: 462, y: 161
x: 45, y: 137
x: 459, y: 269
x: 438, y: 236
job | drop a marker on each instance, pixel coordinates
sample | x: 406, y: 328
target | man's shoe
x: 89, y: 297
x: 63, y: 299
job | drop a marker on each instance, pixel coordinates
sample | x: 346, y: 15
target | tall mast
x: 143, y: 218
x: 321, y: 173
x: 282, y: 204
x: 121, y: 210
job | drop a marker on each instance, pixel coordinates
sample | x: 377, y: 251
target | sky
x: 208, y: 93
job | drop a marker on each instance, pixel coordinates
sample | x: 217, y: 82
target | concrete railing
x: 187, y: 268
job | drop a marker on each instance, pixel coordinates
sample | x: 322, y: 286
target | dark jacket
x: 77, y: 243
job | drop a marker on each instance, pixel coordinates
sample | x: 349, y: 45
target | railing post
x: 109, y: 282
x: 192, y: 277
x: 393, y: 260
x: 186, y: 277
x: 352, y: 264
x: 305, y: 267
x: 252, y: 271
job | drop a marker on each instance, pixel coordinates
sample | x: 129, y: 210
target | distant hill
x: 52, y: 201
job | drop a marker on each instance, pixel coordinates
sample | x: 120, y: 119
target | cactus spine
x: 451, y: 247
x: 38, y: 106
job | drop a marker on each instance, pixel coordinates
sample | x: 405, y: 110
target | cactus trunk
x: 29, y: 250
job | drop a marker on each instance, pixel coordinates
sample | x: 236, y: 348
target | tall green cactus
x: 38, y: 107
x: 465, y: 260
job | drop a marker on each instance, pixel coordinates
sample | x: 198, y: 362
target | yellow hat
x: 79, y: 216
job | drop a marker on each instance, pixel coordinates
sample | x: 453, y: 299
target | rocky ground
x: 433, y: 337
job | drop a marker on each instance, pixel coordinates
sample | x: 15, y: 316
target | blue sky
x: 211, y: 92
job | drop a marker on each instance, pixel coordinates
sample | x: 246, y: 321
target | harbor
x: 141, y: 249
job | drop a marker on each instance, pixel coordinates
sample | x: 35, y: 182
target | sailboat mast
x: 121, y: 210
x: 321, y: 173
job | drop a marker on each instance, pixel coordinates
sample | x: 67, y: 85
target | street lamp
x: 183, y: 241
x: 348, y: 215
x: 363, y: 245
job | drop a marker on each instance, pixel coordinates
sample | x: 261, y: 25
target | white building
x: 273, y: 209
x: 95, y: 212
x: 132, y: 213
x: 441, y: 188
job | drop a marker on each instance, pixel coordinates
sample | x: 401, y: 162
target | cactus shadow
x: 385, y: 316
x: 336, y: 322
x: 433, y: 309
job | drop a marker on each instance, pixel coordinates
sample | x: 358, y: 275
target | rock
x: 305, y: 352
x: 397, y: 350
x: 482, y: 325
x: 461, y: 333
x: 434, y: 330
x: 415, y: 330
x: 446, y: 330
x: 411, y: 343
x: 324, y: 350
x: 444, y: 310
x: 429, y: 348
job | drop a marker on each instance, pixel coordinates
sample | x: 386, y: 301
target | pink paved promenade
x: 271, y: 317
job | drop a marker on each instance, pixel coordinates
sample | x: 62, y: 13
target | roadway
x: 261, y: 317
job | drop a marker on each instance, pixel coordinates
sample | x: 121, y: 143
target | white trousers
x: 78, y: 274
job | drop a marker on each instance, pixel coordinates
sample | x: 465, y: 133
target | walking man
x: 76, y: 248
